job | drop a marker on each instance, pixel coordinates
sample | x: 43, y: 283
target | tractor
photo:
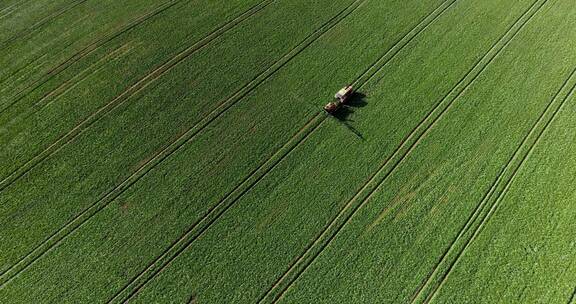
x: 341, y: 97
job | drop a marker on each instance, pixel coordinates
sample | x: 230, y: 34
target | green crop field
x: 172, y: 151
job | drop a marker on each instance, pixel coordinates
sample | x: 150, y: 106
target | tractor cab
x: 344, y: 93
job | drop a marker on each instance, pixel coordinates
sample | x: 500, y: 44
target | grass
x: 31, y: 55
x: 288, y: 120
x: 424, y: 203
x: 22, y: 19
x: 198, y: 166
x: 105, y: 78
x: 147, y: 140
x: 132, y: 109
x: 535, y: 247
x: 317, y: 202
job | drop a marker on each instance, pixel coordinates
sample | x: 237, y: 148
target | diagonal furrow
x: 572, y: 299
x: 77, y: 79
x: 39, y: 24
x: 175, y: 145
x: 131, y: 91
x: 10, y: 8
x: 385, y: 169
x: 503, y: 184
x: 53, y: 72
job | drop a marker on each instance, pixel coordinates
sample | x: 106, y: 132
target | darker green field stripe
x: 390, y: 164
x: 53, y: 72
x: 126, y: 94
x: 183, y: 139
x: 497, y: 196
x: 37, y: 25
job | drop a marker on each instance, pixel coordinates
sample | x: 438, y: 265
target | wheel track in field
x: 78, y: 78
x: 37, y: 25
x: 196, y: 230
x: 572, y: 299
x: 501, y: 194
x: 53, y: 72
x: 174, y: 146
x: 129, y: 92
x: 12, y: 6
x: 23, y: 67
x: 302, y: 262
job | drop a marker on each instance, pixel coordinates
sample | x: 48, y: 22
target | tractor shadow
x: 357, y: 100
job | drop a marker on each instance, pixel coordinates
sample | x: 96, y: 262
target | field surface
x: 177, y: 151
